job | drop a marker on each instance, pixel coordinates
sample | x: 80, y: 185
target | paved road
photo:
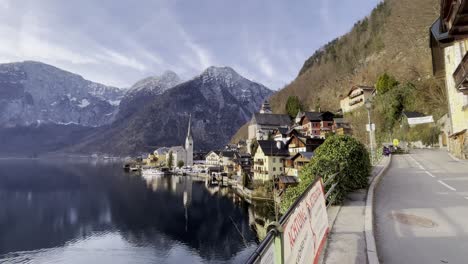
x: 421, y: 211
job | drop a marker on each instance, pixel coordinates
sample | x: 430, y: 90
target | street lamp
x: 368, y: 105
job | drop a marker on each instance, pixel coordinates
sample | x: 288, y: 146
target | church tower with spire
x: 189, y: 145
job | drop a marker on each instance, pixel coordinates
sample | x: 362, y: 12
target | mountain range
x: 33, y: 92
x: 219, y: 101
x: 45, y: 109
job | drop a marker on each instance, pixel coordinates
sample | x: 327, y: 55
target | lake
x: 63, y: 211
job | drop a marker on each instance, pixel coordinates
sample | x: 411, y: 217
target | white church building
x: 180, y: 153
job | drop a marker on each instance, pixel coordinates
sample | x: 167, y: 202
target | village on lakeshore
x: 275, y: 151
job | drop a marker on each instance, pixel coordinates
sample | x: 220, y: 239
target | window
x: 274, y: 160
x: 274, y: 169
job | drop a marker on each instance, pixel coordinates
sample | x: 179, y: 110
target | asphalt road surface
x: 421, y: 213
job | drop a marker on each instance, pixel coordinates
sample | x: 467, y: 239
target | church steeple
x: 189, y: 144
x: 189, y: 131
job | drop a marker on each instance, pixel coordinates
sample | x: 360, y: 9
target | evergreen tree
x: 293, y: 106
x: 385, y: 83
x: 170, y: 160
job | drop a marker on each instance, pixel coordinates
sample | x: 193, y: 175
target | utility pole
x: 368, y: 105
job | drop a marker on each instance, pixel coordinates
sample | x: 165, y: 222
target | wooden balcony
x: 259, y: 162
x: 460, y: 75
x: 454, y: 15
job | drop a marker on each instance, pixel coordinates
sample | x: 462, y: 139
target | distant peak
x: 224, y: 70
x: 169, y: 73
x: 166, y: 80
x: 221, y: 74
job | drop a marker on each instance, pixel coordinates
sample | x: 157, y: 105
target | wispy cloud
x: 118, y: 42
x: 113, y: 56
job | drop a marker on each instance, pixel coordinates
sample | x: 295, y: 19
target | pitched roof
x: 363, y: 87
x: 271, y: 119
x: 283, y: 130
x: 229, y: 154
x: 217, y: 152
x: 269, y: 148
x: 177, y: 148
x: 307, y: 155
x: 319, y: 116
x: 288, y: 179
x: 413, y: 114
x: 339, y: 120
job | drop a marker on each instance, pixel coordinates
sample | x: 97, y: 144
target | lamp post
x: 368, y: 105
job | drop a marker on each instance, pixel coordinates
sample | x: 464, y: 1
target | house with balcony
x: 212, y: 158
x: 269, y: 160
x: 341, y: 126
x: 243, y: 163
x: 316, y: 124
x: 226, y: 160
x: 356, y: 98
x: 298, y: 144
x: 294, y: 164
x: 284, y: 134
x: 449, y: 46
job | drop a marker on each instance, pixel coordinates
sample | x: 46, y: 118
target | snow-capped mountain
x: 219, y: 100
x: 145, y: 91
x: 34, y: 92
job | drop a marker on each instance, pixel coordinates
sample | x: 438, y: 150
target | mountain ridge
x: 34, y: 92
x: 219, y: 104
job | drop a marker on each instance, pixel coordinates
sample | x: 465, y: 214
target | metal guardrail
x: 262, y: 253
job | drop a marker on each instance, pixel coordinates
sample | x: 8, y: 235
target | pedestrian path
x: 347, y: 240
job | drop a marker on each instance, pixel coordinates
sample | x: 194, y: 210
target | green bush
x: 293, y: 106
x: 385, y: 83
x: 336, y: 151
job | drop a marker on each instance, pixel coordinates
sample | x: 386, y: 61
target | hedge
x: 336, y: 151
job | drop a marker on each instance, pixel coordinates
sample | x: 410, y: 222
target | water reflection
x: 80, y: 212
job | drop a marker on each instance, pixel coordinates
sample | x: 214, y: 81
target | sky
x: 118, y: 42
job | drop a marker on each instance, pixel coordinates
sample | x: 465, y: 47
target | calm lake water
x: 55, y: 211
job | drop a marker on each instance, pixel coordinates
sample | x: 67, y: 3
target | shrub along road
x: 421, y: 213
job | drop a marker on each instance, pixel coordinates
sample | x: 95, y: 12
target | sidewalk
x: 347, y: 240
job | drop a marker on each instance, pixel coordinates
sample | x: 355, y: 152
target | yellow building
x: 449, y: 44
x: 356, y: 98
x: 269, y: 160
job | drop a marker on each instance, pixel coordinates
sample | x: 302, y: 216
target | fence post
x: 279, y: 254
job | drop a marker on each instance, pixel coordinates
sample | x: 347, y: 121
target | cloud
x: 121, y: 59
x: 118, y: 43
x: 25, y: 44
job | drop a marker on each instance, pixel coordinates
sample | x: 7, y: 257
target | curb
x: 371, y: 251
x: 455, y: 158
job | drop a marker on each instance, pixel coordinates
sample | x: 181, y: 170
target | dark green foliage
x: 427, y: 133
x: 390, y: 105
x: 253, y: 146
x: 180, y: 164
x: 336, y: 151
x: 170, y: 160
x: 385, y: 83
x: 293, y: 106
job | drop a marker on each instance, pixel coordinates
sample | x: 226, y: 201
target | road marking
x: 446, y: 185
x: 430, y: 174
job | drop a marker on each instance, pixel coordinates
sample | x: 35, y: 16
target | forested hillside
x: 392, y: 39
